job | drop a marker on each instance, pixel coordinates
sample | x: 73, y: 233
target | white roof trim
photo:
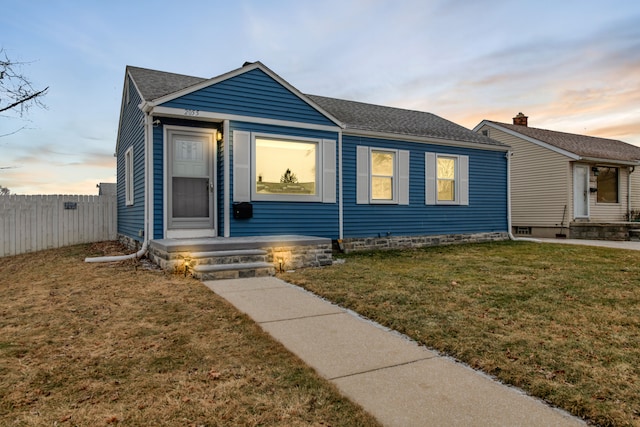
x: 569, y: 154
x: 240, y: 71
x: 219, y: 117
x: 425, y: 140
x: 127, y: 75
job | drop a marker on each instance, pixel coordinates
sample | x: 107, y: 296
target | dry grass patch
x: 560, y: 321
x: 104, y: 344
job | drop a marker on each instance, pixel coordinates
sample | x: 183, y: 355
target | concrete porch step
x: 233, y: 271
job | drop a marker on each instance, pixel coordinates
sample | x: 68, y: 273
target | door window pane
x: 190, y: 197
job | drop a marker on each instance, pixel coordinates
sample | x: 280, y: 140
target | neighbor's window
x: 286, y: 167
x: 382, y: 175
x: 128, y: 176
x: 607, y: 185
x: 446, y: 178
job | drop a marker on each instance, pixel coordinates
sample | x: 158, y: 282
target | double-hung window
x: 447, y: 179
x: 446, y: 172
x: 382, y: 176
x: 383, y: 181
x: 128, y: 176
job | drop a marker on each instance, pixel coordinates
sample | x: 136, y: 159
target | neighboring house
x: 246, y: 154
x: 568, y: 184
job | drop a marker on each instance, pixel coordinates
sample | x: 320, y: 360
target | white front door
x: 190, y: 183
x: 581, y: 191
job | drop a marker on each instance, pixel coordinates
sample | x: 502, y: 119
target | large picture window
x: 286, y: 167
x: 607, y: 185
x: 269, y: 167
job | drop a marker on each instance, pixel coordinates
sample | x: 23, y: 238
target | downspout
x: 510, y: 234
x: 340, y: 202
x: 148, y: 159
x: 630, y: 170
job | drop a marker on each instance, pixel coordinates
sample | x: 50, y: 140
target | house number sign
x: 191, y: 113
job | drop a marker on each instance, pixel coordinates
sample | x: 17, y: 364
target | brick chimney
x: 520, y: 120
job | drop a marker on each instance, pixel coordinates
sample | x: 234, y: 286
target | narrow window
x: 446, y: 176
x: 128, y: 176
x: 382, y: 175
x: 607, y: 185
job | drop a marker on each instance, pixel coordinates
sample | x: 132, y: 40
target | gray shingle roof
x: 154, y: 84
x: 354, y: 115
x: 582, y: 145
x: 378, y: 118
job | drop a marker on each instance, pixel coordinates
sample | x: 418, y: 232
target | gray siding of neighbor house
x: 540, y: 183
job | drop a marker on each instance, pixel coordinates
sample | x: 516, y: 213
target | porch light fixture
x: 219, y: 135
x: 595, y: 170
x: 187, y: 265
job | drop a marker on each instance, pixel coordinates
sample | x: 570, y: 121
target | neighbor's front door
x: 190, y: 183
x: 580, y: 191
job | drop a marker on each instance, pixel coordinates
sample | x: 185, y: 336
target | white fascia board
x: 238, y: 72
x: 425, y: 140
x: 548, y: 146
x: 127, y: 74
x: 218, y: 117
x: 610, y: 161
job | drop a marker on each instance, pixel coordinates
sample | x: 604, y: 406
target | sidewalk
x: 616, y: 244
x: 391, y: 377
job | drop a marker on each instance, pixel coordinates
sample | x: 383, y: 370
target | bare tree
x: 4, y: 191
x: 16, y: 90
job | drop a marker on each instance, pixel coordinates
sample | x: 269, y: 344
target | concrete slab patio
x: 390, y: 376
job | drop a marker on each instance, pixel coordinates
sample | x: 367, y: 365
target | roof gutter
x: 611, y: 161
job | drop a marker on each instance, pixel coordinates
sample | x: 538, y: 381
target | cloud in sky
x: 572, y: 66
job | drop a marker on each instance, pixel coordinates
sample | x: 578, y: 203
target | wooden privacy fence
x: 33, y: 223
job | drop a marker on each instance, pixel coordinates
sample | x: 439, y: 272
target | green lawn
x: 562, y: 322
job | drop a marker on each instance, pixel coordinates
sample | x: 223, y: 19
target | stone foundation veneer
x: 407, y: 242
x: 294, y: 251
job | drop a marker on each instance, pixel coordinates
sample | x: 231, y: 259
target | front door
x: 580, y: 191
x: 190, y: 183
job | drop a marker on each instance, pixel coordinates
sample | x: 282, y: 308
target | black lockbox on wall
x: 243, y: 210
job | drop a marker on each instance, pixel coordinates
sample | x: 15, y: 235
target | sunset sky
x: 570, y: 66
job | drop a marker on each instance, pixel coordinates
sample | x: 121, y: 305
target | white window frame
x: 317, y: 197
x: 461, y: 190
x: 394, y: 177
x: 456, y: 179
x: 128, y: 176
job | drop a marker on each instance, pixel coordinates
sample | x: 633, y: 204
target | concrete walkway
x: 391, y: 377
x: 602, y: 243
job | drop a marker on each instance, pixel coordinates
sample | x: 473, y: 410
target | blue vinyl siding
x: 131, y: 218
x: 273, y: 218
x: 253, y: 94
x: 158, y: 183
x: 486, y: 212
